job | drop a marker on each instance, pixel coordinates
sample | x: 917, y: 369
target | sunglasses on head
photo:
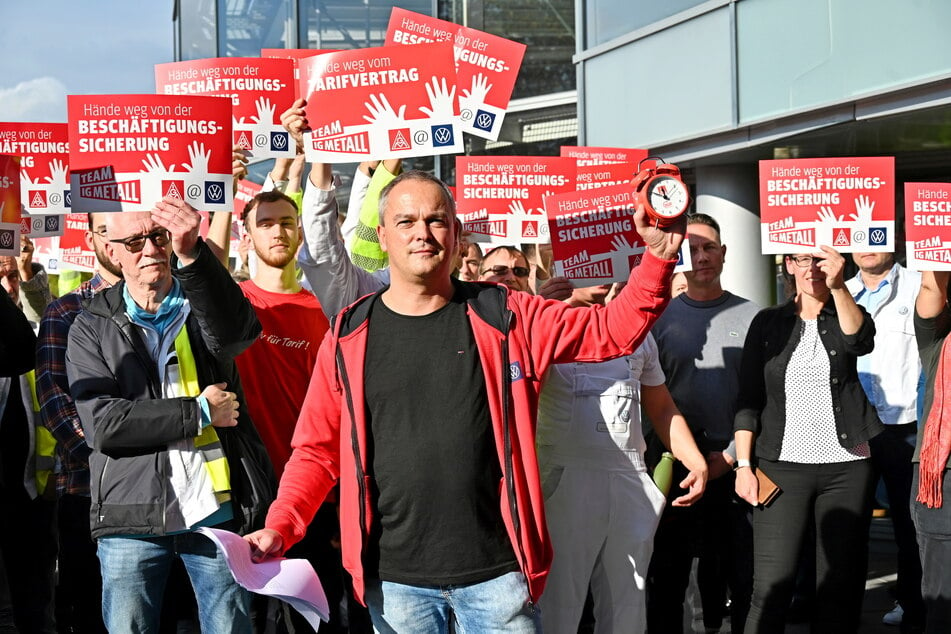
x: 134, y: 244
x: 499, y: 269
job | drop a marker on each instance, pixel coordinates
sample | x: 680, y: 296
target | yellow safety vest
x: 44, y: 444
x: 207, y: 441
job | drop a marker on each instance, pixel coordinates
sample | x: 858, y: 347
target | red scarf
x: 936, y: 443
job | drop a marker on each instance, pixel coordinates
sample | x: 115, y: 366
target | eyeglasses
x: 803, y: 261
x: 518, y: 271
x: 134, y: 244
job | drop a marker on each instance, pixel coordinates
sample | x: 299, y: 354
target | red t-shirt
x: 275, y: 371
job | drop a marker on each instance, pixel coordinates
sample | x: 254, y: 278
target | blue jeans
x: 497, y: 605
x: 134, y: 572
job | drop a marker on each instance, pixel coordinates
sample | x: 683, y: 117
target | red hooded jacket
x: 518, y: 336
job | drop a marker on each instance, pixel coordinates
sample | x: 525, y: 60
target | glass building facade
x: 543, y: 113
x: 718, y: 85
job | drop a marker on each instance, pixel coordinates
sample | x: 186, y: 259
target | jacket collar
x: 488, y: 300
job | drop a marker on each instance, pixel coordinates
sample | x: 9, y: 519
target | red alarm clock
x: 661, y: 191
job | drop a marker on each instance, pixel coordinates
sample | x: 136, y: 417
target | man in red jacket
x: 423, y: 404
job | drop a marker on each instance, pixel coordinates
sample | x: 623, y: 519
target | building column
x: 730, y: 194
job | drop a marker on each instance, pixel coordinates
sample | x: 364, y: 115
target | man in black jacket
x: 150, y: 366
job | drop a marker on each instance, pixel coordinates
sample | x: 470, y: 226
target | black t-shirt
x: 432, y: 458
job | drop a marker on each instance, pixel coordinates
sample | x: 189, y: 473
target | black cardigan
x: 770, y: 342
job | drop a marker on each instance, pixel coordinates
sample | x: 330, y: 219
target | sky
x: 54, y: 48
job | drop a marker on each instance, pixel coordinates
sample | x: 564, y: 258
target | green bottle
x: 664, y: 472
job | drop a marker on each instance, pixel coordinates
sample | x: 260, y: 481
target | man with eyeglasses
x: 79, y: 587
x: 505, y: 265
x: 150, y: 363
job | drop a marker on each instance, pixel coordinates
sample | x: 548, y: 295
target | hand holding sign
x: 832, y: 264
x: 183, y: 222
x: 294, y: 121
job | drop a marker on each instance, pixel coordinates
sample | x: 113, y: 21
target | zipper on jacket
x: 102, y: 478
x: 509, y: 469
x: 355, y: 445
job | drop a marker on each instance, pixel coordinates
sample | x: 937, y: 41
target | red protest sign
x: 501, y: 197
x: 486, y: 65
x: 375, y: 103
x: 9, y: 188
x: 44, y: 164
x: 259, y: 89
x: 845, y: 203
x: 9, y: 205
x: 593, y: 238
x: 74, y: 254
x: 295, y: 54
x: 928, y: 226
x: 599, y: 155
x: 46, y: 250
x: 592, y: 175
x: 129, y: 151
x: 246, y: 191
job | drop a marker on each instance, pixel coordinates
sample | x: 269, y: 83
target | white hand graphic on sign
x: 153, y: 165
x: 827, y: 215
x: 58, y: 173
x: 516, y: 207
x: 198, y: 157
x: 620, y: 256
x: 475, y: 96
x: 381, y: 112
x: 863, y: 210
x: 440, y: 100
x: 265, y: 111
x: 26, y: 181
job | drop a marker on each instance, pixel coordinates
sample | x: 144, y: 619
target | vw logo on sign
x: 442, y: 135
x: 52, y: 223
x: 214, y: 192
x: 484, y: 120
x: 878, y: 236
x: 278, y: 141
x: 6, y: 238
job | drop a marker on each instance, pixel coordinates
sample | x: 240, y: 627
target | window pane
x: 247, y: 26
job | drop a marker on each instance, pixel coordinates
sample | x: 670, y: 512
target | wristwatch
x: 739, y: 464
